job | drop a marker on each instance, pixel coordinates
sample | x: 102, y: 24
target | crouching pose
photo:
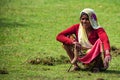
x: 86, y: 42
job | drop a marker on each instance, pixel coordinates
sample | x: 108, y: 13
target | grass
x: 28, y: 29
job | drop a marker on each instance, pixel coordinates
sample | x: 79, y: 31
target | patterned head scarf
x: 92, y: 17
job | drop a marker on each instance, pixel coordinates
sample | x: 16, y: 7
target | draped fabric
x: 82, y: 37
x: 95, y: 49
x: 93, y: 53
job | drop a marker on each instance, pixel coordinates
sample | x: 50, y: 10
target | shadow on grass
x: 4, y: 22
x: 112, y: 71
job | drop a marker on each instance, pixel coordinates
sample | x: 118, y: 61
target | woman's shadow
x: 112, y: 71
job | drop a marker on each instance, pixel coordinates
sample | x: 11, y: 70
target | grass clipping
x: 49, y: 60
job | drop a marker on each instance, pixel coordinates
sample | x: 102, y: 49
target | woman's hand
x: 77, y: 48
x: 77, y: 45
x: 107, y: 58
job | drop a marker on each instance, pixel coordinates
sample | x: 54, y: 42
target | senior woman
x: 89, y: 39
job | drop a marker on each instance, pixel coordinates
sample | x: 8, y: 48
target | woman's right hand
x: 77, y: 45
x: 77, y: 48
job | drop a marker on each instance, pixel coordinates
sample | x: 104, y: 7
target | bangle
x: 107, y: 54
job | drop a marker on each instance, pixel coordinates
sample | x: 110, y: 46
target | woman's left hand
x: 107, y: 59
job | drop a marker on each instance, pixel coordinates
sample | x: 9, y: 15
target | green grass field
x: 28, y: 30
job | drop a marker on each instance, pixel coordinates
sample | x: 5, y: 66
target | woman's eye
x: 85, y: 19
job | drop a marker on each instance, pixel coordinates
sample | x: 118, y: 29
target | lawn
x: 28, y: 30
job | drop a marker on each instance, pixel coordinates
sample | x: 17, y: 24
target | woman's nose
x: 84, y: 20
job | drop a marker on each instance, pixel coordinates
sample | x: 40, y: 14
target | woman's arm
x: 104, y: 38
x: 62, y: 36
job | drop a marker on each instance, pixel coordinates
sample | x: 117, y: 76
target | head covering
x: 92, y: 17
x: 83, y: 38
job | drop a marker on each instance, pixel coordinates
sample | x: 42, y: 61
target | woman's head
x: 84, y: 19
x: 91, y: 16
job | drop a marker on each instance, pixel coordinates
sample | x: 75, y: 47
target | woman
x: 89, y: 37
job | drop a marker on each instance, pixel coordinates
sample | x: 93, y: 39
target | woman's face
x: 85, y: 21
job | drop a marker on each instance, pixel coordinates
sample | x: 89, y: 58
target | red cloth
x: 93, y: 53
x: 94, y: 36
